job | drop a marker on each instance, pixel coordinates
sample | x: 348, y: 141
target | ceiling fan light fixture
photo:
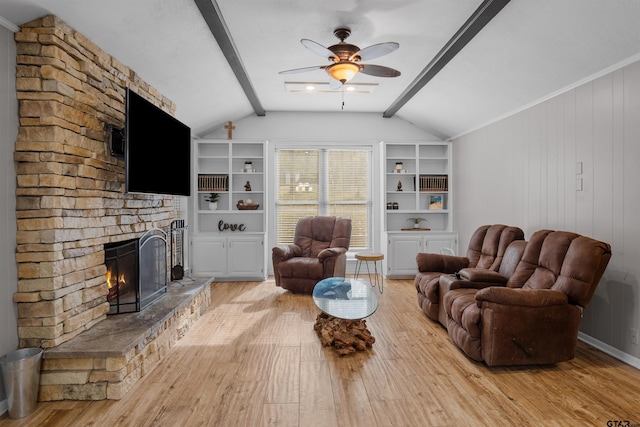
x: 343, y: 71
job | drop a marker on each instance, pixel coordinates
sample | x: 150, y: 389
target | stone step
x: 105, y: 361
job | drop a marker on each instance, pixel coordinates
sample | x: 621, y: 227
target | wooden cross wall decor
x: 229, y: 127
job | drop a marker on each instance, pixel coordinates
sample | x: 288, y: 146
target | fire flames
x: 114, y: 284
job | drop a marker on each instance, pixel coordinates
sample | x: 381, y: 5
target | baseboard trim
x: 611, y: 351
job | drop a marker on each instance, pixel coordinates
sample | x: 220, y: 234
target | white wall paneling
x: 536, y: 152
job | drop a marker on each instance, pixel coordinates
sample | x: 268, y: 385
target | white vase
x: 213, y: 206
x: 416, y: 225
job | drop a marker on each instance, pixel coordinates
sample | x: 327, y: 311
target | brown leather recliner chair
x: 535, y: 317
x: 318, y: 251
x: 486, y: 249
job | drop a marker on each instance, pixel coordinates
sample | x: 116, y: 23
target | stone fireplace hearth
x: 106, y: 361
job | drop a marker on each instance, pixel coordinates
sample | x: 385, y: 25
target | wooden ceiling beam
x: 480, y: 17
x: 210, y: 11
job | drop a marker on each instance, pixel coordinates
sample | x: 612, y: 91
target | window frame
x: 374, y: 217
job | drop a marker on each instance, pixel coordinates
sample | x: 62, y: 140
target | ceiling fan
x: 347, y: 59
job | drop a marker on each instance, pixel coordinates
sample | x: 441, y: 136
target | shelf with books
x: 235, y: 171
x: 417, y: 180
x: 417, y: 184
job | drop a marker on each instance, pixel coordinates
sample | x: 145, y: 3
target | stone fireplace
x: 70, y: 196
x: 71, y: 203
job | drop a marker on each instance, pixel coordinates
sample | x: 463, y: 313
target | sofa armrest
x: 521, y: 297
x: 331, y: 252
x: 285, y: 252
x: 483, y: 275
x: 439, y: 262
x: 449, y: 282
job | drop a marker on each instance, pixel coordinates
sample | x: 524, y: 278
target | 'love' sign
x: 223, y: 226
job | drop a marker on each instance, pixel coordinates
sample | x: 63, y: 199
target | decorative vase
x: 213, y: 206
x: 416, y: 225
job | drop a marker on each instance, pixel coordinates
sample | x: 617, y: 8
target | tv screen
x: 158, y: 150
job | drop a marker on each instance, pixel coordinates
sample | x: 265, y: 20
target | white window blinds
x: 324, y: 182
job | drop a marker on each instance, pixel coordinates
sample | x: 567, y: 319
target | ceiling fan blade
x: 378, y: 70
x: 335, y: 84
x: 318, y: 48
x: 303, y: 70
x: 375, y: 51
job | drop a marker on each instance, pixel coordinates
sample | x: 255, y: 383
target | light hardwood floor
x: 254, y: 360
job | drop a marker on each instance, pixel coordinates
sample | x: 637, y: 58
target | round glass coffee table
x: 344, y: 304
x: 345, y: 298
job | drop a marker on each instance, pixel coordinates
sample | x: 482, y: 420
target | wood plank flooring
x: 254, y: 360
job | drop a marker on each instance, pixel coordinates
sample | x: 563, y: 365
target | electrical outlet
x: 633, y: 334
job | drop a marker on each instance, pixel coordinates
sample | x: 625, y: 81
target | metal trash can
x: 21, y: 377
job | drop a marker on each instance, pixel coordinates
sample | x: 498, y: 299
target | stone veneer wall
x: 70, y: 190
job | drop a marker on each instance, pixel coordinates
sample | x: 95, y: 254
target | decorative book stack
x: 208, y: 182
x: 434, y: 182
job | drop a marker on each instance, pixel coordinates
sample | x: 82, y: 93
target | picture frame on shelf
x: 436, y: 202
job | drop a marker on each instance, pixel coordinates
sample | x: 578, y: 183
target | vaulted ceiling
x: 527, y: 51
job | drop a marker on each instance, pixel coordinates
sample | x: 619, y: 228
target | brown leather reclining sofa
x: 529, y: 311
x: 485, y: 251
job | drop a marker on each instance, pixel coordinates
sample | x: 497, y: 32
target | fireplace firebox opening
x: 136, y: 272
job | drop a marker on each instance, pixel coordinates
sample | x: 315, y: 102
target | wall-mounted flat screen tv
x: 158, y: 150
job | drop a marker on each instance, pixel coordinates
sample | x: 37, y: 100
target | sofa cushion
x: 555, y: 260
x: 578, y: 282
x: 488, y: 244
x: 304, y: 268
x: 314, y: 234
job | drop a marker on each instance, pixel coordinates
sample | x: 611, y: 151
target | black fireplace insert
x: 136, y: 272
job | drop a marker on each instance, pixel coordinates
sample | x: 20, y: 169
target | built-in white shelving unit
x: 417, y: 185
x: 229, y: 242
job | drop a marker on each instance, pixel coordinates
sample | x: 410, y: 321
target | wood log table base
x: 345, y: 336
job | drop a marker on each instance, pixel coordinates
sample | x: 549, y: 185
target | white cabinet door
x: 246, y: 257
x: 436, y: 244
x: 210, y: 256
x: 403, y: 249
x: 402, y: 255
x: 229, y: 257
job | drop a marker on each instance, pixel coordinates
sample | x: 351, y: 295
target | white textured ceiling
x: 531, y: 49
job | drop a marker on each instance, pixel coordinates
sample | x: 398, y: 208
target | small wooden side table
x: 378, y: 278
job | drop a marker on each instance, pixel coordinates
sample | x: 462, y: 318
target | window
x: 324, y: 182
